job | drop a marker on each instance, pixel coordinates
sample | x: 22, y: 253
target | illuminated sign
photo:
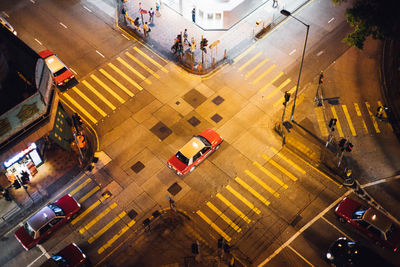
x: 17, y: 157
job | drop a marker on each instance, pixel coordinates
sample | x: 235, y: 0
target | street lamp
x: 287, y: 14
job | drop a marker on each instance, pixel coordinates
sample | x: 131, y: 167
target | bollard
x: 200, y: 66
x: 213, y: 62
x: 225, y: 54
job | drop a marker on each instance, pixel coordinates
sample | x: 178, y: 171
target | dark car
x: 70, y: 256
x: 37, y: 228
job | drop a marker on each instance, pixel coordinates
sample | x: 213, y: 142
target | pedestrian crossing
x: 105, y: 89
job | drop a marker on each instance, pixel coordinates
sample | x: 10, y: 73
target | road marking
x: 332, y: 19
x: 89, y: 101
x: 293, y: 51
x: 213, y: 225
x: 270, y: 174
x: 338, y: 125
x: 263, y: 74
x: 279, y: 167
x: 105, y: 86
x: 87, y: 9
x: 89, y: 209
x: 111, y: 78
x: 248, y: 74
x: 320, y: 53
x: 303, y: 148
x: 321, y: 121
x: 282, y: 99
x: 301, y: 256
x: 150, y: 59
x: 125, y: 76
x: 243, y: 199
x: 141, y: 64
x: 252, y: 191
x: 372, y: 118
x: 385, y: 115
x: 224, y: 217
x: 277, y: 89
x: 129, y: 67
x: 97, y: 218
x: 89, y: 194
x: 38, y: 41
x: 100, y: 54
x: 334, y: 226
x: 262, y: 183
x: 5, y: 14
x: 73, y: 71
x: 249, y: 61
x: 271, y: 82
x: 116, y: 236
x: 73, y: 102
x: 126, y: 37
x: 73, y: 192
x: 297, y: 167
x: 62, y: 24
x: 233, y: 208
x: 97, y: 93
x: 105, y: 228
x: 244, y: 54
x: 346, y: 113
x: 357, y: 108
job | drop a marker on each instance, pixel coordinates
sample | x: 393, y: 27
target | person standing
x: 158, y: 14
x: 151, y: 16
x: 146, y: 29
x: 275, y: 3
x: 185, y: 37
x: 194, y: 15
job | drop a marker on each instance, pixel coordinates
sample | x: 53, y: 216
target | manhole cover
x: 174, y: 189
x: 194, y: 121
x: 161, y: 130
x: 137, y: 167
x: 218, y: 100
x: 216, y: 117
x: 194, y: 98
x: 132, y: 214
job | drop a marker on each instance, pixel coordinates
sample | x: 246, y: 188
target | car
x: 370, y: 222
x: 61, y: 74
x: 195, y: 151
x: 39, y: 227
x: 5, y: 23
x: 71, y: 256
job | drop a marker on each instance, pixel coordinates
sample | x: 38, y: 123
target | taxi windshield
x: 182, y: 158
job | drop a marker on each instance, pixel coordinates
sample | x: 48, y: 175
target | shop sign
x: 17, y: 157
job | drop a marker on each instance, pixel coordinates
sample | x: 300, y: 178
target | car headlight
x: 329, y: 256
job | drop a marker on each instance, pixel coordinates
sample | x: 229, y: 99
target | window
x: 205, y: 141
x: 358, y: 214
x: 44, y: 229
x: 61, y: 71
x: 204, y: 150
x: 29, y: 230
x: 182, y: 158
x: 56, y: 209
x: 195, y: 157
x: 363, y: 223
x: 55, y: 221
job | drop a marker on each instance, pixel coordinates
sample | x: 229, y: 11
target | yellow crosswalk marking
x: 105, y: 228
x: 243, y: 199
x: 115, y: 237
x: 129, y: 67
x: 111, y: 78
x: 338, y: 125
x: 279, y: 167
x: 214, y: 226
x: 249, y: 62
x: 224, y: 217
x: 297, y: 167
x: 270, y: 174
x: 372, y: 118
x: 271, y: 82
x: 262, y: 183
x: 303, y: 148
x: 357, y: 108
x: 117, y: 70
x: 97, y: 93
x: 141, y: 64
x: 282, y: 99
x: 151, y: 60
x: 321, y: 121
x: 277, y: 89
x: 89, y: 194
x: 346, y: 113
x: 252, y: 191
x: 82, y: 185
x: 233, y: 208
x: 244, y: 54
x: 73, y: 102
x: 385, y: 116
x: 97, y: 218
x: 90, y: 102
x: 262, y: 75
x: 92, y: 207
x: 248, y: 74
x: 108, y: 89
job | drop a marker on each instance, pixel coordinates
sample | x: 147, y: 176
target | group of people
x: 145, y: 25
x: 179, y: 43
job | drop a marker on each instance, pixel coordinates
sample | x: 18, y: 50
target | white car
x: 7, y: 25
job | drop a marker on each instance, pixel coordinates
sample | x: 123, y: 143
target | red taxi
x: 61, y: 74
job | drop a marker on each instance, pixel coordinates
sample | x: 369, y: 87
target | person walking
x: 275, y: 3
x: 146, y: 29
x: 158, y: 14
x: 185, y: 37
x: 151, y: 16
x: 194, y: 15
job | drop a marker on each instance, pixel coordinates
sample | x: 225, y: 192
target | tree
x: 376, y: 18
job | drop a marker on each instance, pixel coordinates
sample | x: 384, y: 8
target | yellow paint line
x: 248, y: 50
x: 233, y: 208
x: 372, y: 116
x: 262, y: 183
x: 97, y: 93
x: 338, y: 125
x: 271, y: 82
x: 385, y: 116
x: 282, y: 99
x: 301, y: 256
x: 111, y: 78
x: 92, y: 207
x: 105, y: 228
x: 151, y: 60
x: 224, y: 217
x: 248, y: 74
x: 108, y: 89
x: 141, y: 64
x: 97, y: 218
x: 346, y: 113
x: 270, y: 174
x: 278, y: 88
x: 321, y: 121
x: 89, y: 101
x: 73, y: 102
x: 357, y: 108
x: 89, y: 194
x: 82, y: 185
x: 279, y: 167
x: 252, y: 191
x: 262, y: 75
x: 297, y: 167
x: 214, y: 226
x: 120, y: 72
x: 115, y: 237
x: 243, y: 199
x: 129, y: 67
x: 251, y: 60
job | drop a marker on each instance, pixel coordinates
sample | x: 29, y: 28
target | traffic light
x: 24, y: 177
x: 16, y: 184
x: 203, y: 44
x: 195, y: 248
x: 342, y: 142
x: 349, y: 147
x: 321, y: 78
x: 287, y: 96
x: 77, y: 119
x: 220, y: 242
x: 332, y: 123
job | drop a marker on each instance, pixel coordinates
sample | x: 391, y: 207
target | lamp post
x: 287, y: 14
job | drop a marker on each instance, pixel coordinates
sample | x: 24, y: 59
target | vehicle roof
x: 54, y: 63
x: 192, y: 147
x: 377, y: 219
x: 40, y: 218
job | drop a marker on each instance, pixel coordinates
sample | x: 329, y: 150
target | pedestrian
x: 275, y: 3
x: 137, y: 23
x: 185, y: 37
x: 123, y: 12
x: 379, y: 112
x: 151, y: 16
x: 194, y: 15
x: 146, y: 29
x: 158, y: 14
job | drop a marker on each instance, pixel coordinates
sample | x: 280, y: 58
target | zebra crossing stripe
x: 251, y: 60
x: 76, y: 104
x: 142, y: 65
x: 357, y: 108
x: 248, y: 74
x: 243, y: 199
x: 214, y: 226
x: 346, y: 113
x: 224, y: 217
x: 108, y: 89
x: 111, y: 78
x: 262, y: 75
x: 117, y: 70
x: 271, y: 82
x: 97, y: 93
x: 321, y: 121
x: 150, y: 59
x: 371, y: 115
x: 133, y: 70
x: 338, y: 125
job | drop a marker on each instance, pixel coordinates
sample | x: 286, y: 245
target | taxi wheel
x: 192, y: 169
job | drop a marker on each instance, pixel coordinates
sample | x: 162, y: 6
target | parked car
x: 38, y: 227
x: 71, y: 256
x: 6, y: 24
x: 61, y: 74
x: 371, y: 222
x: 195, y: 151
